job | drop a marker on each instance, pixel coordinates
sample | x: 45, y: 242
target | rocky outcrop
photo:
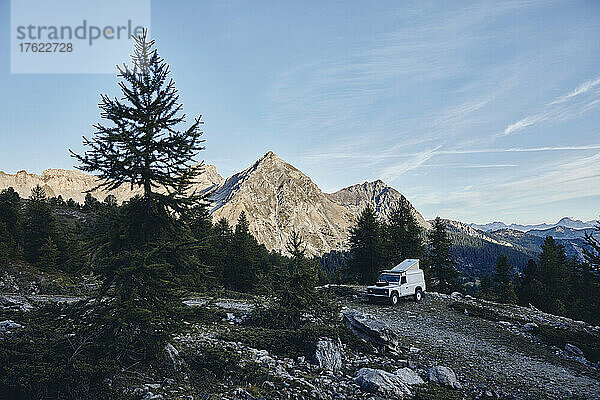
x: 443, y: 376
x: 376, y: 332
x: 382, y: 383
x: 328, y: 355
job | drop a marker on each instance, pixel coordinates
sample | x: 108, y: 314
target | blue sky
x: 475, y: 111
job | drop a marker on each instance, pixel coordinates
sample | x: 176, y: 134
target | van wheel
x: 394, y: 299
x: 419, y: 295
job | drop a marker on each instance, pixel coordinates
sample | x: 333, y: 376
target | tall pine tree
x: 147, y: 251
x: 403, y: 235
x: 366, y: 248
x: 443, y: 274
x: 503, y: 277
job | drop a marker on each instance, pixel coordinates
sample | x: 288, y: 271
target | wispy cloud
x: 560, y: 109
x: 392, y: 172
x: 583, y: 88
x: 438, y: 151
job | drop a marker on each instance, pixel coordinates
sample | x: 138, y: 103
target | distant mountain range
x: 564, y: 222
x: 278, y: 198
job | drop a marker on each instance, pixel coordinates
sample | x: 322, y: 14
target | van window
x: 403, y: 280
x: 389, y: 278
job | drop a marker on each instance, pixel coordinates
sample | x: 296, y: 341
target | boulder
x: 408, y: 376
x: 443, y: 376
x: 173, y: 359
x: 377, y: 332
x: 530, y: 326
x: 14, y: 302
x: 571, y: 349
x: 328, y: 355
x: 382, y: 383
x: 9, y: 325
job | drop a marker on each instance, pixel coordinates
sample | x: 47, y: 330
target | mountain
x: 476, y: 251
x: 565, y: 222
x: 382, y: 198
x: 561, y: 232
x: 277, y: 199
x: 73, y: 184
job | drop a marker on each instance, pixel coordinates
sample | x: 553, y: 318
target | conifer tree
x: 147, y: 251
x: 443, y: 274
x: 49, y: 255
x: 591, y: 251
x: 503, y: 277
x: 403, y: 235
x: 552, y: 273
x: 366, y: 248
x: 37, y: 224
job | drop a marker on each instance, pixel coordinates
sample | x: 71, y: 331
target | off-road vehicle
x: 405, y: 279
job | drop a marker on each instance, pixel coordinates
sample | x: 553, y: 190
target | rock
x: 443, y: 376
x: 377, y: 332
x: 408, y: 376
x: 151, y: 396
x: 382, y: 383
x: 9, y: 325
x: 530, y: 326
x: 14, y: 303
x: 173, y: 358
x: 571, y: 349
x: 328, y: 355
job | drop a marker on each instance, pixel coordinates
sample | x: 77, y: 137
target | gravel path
x: 483, y: 352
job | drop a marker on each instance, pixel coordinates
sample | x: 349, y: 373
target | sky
x: 475, y: 111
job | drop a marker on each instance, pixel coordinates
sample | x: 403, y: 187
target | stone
x: 173, y: 358
x: 377, y: 332
x: 530, y: 326
x: 382, y: 383
x: 9, y: 325
x: 443, y: 376
x: 569, y: 348
x: 408, y: 376
x: 328, y: 355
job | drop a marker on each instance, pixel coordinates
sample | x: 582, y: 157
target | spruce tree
x: 147, y: 252
x: 403, y: 235
x: 49, y: 255
x: 591, y: 251
x: 553, y: 275
x: 440, y: 260
x: 366, y: 248
x: 38, y: 223
x: 503, y: 279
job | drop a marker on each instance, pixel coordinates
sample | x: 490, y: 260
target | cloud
x: 524, y: 123
x: 583, y: 88
x: 387, y: 156
x: 394, y: 171
x: 561, y: 109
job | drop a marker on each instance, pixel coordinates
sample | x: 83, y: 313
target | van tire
x: 418, y: 295
x: 394, y: 299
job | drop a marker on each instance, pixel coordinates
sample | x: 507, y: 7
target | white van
x: 405, y: 279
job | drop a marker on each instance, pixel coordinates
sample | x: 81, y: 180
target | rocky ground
x: 445, y: 347
x: 500, y: 357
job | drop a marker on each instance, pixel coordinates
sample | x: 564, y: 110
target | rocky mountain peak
x: 381, y: 197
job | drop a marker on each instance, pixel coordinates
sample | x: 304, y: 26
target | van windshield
x: 389, y: 278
